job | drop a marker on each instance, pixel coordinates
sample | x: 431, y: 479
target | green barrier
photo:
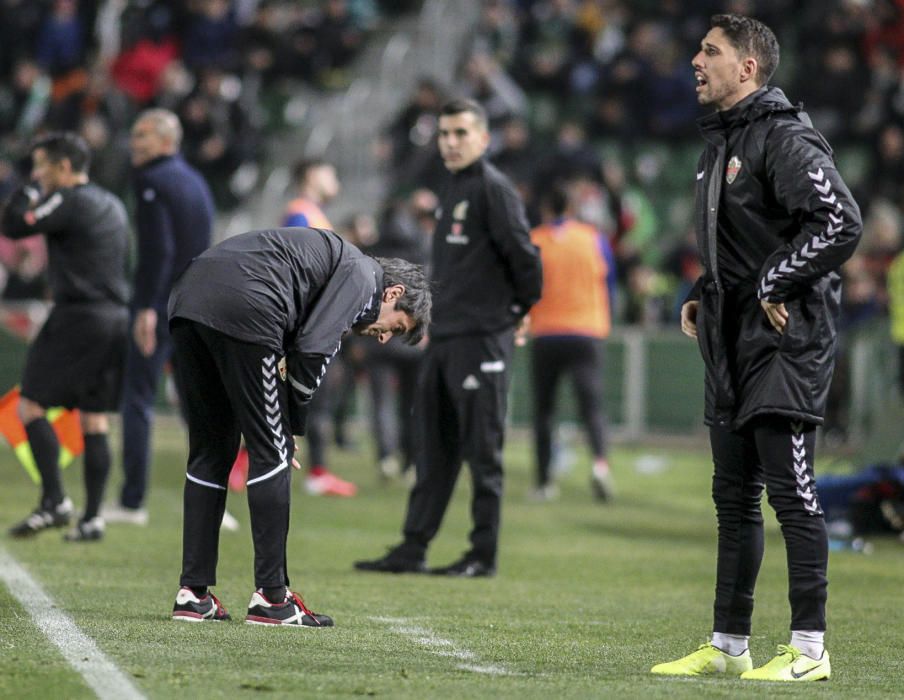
x: 653, y: 382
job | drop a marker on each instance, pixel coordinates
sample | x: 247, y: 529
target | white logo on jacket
x: 459, y: 214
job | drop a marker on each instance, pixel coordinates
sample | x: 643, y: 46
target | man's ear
x: 749, y: 68
x: 393, y: 293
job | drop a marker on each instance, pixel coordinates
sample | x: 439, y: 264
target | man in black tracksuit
x: 486, y: 274
x: 255, y: 321
x: 78, y: 357
x: 774, y: 223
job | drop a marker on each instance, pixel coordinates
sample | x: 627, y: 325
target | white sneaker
x: 389, y: 467
x: 229, y: 523
x: 543, y: 494
x: 601, y: 482
x: 86, y: 530
x: 118, y: 513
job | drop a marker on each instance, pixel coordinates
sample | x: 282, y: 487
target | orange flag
x: 65, y: 424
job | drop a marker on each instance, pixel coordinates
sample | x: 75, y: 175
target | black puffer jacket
x: 774, y: 221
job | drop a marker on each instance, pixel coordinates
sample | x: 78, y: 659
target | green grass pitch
x: 588, y: 596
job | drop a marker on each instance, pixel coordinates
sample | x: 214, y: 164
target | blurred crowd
x: 601, y: 93
x: 90, y: 66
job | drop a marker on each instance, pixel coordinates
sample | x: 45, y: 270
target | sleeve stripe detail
x: 48, y: 207
x: 810, y: 249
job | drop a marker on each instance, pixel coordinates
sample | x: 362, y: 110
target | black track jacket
x: 486, y: 273
x: 774, y: 221
x: 294, y: 290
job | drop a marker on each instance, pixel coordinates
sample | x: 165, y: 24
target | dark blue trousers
x: 139, y: 395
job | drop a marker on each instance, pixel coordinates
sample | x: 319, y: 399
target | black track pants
x: 776, y: 452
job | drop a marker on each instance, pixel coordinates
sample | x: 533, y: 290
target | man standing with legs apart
x: 174, y: 217
x: 774, y: 223
x: 77, y: 359
x: 255, y: 321
x: 487, y: 275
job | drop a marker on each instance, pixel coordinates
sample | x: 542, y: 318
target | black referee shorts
x: 231, y: 388
x: 78, y: 358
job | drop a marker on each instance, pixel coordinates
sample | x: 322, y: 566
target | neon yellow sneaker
x: 792, y: 665
x: 706, y: 661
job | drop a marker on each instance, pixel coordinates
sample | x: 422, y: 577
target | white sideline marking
x: 441, y: 647
x: 101, y: 674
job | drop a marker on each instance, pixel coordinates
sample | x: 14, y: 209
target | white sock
x: 731, y: 644
x: 809, y: 643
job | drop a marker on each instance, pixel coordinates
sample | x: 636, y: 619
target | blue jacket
x: 174, y: 218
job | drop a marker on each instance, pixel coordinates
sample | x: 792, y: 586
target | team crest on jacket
x: 734, y: 167
x: 283, y: 370
x: 459, y: 214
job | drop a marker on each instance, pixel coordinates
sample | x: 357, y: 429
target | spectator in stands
x: 77, y: 359
x: 896, y: 312
x: 485, y: 81
x: 409, y: 142
x: 338, y: 40
x: 263, y: 45
x: 496, y: 33
x: 545, y: 47
x: 211, y: 38
x: 219, y: 136
x: 517, y: 155
x: 27, y: 100
x: 568, y: 327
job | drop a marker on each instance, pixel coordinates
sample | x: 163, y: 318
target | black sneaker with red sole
x: 191, y: 608
x: 292, y: 611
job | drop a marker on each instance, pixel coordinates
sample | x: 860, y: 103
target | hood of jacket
x: 764, y: 101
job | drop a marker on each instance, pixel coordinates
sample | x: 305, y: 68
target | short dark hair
x: 750, y: 37
x: 462, y: 105
x: 301, y: 168
x: 65, y: 145
x: 555, y: 199
x: 416, y: 301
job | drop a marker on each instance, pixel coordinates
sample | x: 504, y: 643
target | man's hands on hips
x: 144, y: 331
x: 776, y: 313
x: 689, y: 318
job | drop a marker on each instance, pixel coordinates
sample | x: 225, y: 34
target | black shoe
x: 396, y: 561
x: 190, y: 608
x: 467, y: 567
x: 86, y: 531
x: 292, y: 611
x: 43, y: 519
